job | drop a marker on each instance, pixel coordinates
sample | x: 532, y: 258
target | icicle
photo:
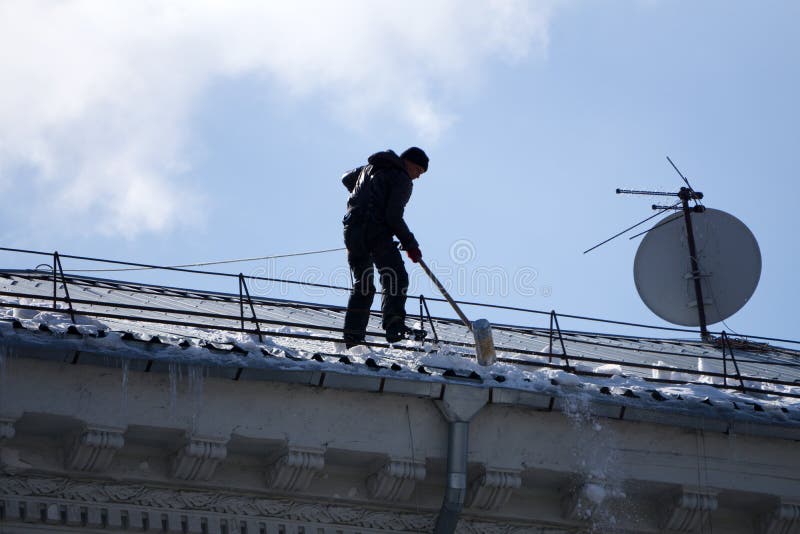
x: 125, y: 365
x: 174, y: 370
x: 196, y: 379
x: 3, y: 355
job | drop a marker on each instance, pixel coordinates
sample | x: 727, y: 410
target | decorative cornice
x: 690, y: 510
x: 295, y: 469
x: 783, y: 519
x: 94, y: 448
x: 116, y: 497
x: 395, y: 481
x: 492, y: 489
x: 107, y: 493
x: 198, y: 459
x: 481, y: 527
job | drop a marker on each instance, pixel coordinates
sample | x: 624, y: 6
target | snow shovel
x: 481, y: 329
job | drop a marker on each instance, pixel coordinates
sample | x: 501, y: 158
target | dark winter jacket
x: 379, y: 193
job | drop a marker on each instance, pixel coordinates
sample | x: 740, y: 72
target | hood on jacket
x: 387, y: 158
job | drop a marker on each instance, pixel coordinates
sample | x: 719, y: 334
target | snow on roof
x: 149, y: 325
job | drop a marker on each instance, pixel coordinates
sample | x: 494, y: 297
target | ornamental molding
x: 93, y: 448
x: 295, y: 469
x: 396, y: 480
x: 144, y: 505
x: 690, y: 509
x: 135, y: 495
x: 198, y: 459
x: 481, y: 527
x: 783, y: 519
x: 493, y: 489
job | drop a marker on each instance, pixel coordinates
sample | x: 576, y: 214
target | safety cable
x: 176, y: 269
x: 206, y: 263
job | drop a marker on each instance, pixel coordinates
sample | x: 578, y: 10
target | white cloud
x: 96, y: 95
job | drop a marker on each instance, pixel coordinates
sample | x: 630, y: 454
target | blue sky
x: 183, y: 132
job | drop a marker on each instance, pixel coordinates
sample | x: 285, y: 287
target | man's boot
x: 351, y: 341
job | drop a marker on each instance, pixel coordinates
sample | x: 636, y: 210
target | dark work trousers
x: 365, y: 249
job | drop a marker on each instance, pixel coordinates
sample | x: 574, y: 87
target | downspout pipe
x: 458, y: 404
x: 455, y: 492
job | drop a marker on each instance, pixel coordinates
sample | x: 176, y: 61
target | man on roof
x: 379, y: 192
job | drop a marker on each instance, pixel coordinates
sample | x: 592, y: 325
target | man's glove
x: 414, y: 254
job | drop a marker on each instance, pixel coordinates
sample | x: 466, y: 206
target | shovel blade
x: 484, y: 343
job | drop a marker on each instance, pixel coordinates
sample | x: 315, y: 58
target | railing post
x: 550, y: 344
x: 421, y: 317
x: 241, y: 301
x: 554, y: 317
x: 554, y: 320
x: 724, y: 338
x: 55, y: 280
x: 423, y: 302
x: 727, y: 343
x: 57, y: 268
x: 243, y: 286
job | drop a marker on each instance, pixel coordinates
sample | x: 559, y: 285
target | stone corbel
x: 294, y: 470
x: 198, y: 458
x: 395, y: 481
x: 581, y: 503
x: 6, y: 430
x: 784, y: 518
x: 10, y: 461
x: 93, y: 448
x: 493, y: 489
x: 690, y: 509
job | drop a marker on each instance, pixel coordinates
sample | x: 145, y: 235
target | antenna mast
x: 731, y: 261
x: 685, y: 194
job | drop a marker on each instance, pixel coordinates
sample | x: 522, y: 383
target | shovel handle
x: 446, y: 295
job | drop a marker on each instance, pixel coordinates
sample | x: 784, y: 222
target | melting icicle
x: 174, y: 370
x: 3, y: 354
x: 125, y: 365
x: 196, y: 378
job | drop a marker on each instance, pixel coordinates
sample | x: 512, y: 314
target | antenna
x: 680, y: 174
x: 627, y: 229
x: 696, y: 197
x: 724, y: 247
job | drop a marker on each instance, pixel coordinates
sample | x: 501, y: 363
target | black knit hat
x: 416, y: 155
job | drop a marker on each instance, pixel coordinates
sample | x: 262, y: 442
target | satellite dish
x: 728, y: 258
